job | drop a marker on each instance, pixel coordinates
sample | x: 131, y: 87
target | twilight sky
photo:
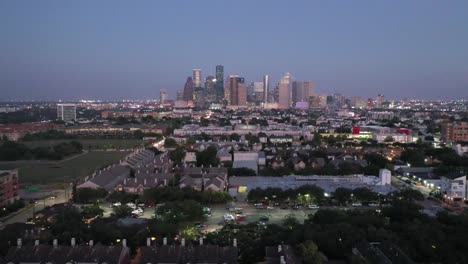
x: 130, y: 49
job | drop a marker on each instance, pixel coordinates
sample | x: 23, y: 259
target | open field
x: 63, y: 172
x: 91, y: 144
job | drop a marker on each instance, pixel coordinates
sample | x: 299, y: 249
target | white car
x: 373, y: 205
x: 137, y: 211
x: 356, y: 204
x: 314, y: 206
x: 228, y: 217
x: 131, y: 205
x: 116, y: 204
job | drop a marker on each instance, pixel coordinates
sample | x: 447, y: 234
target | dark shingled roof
x: 189, y: 254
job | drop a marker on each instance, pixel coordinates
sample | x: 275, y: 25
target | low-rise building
x: 200, y: 179
x: 9, y: 187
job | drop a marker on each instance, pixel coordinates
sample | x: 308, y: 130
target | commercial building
x: 197, y: 78
x: 210, y: 90
x: 188, y: 89
x: 14, y: 132
x: 162, y: 96
x: 66, y: 112
x: 235, y: 92
x: 455, y: 131
x: 9, y: 187
x: 284, y: 92
x: 246, y: 159
x: 381, y: 184
x: 266, y: 88
x: 219, y: 83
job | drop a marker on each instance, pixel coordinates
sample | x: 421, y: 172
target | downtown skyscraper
x: 188, y: 89
x: 197, y: 78
x: 284, y: 91
x: 235, y: 92
x: 266, y: 88
x: 219, y: 82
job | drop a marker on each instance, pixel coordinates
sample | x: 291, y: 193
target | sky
x: 111, y: 49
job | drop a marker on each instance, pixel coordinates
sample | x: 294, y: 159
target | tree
x: 363, y: 194
x: 241, y: 172
x: 89, y: 195
x: 389, y: 139
x: 310, y: 254
x: 414, y: 157
x: 342, y: 195
x: 122, y: 211
x: 170, y: 143
x: 234, y: 137
x: 177, y: 155
x: 207, y: 157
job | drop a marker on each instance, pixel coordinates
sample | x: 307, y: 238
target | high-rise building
x: 266, y: 88
x: 379, y: 101
x: 210, y: 89
x: 309, y: 90
x: 284, y: 91
x: 188, y: 89
x: 180, y: 95
x: 9, y: 186
x: 454, y: 131
x: 219, y: 82
x: 162, y: 96
x: 199, y: 97
x: 197, y: 78
x: 297, y: 92
x: 66, y: 112
x: 258, y: 92
x: 235, y: 92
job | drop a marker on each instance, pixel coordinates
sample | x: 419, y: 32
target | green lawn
x: 51, y: 172
x: 91, y: 144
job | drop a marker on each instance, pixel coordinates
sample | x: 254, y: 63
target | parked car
x: 356, y: 204
x: 264, y: 218
x: 313, y: 206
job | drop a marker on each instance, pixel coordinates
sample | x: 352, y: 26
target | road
x: 61, y: 196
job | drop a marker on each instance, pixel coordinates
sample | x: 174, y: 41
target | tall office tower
x: 379, y: 101
x: 284, y: 92
x: 188, y: 89
x: 297, y: 92
x: 258, y: 92
x: 66, y: 112
x: 162, y: 96
x: 210, y: 89
x: 180, y: 95
x: 199, y: 97
x: 266, y: 88
x: 231, y: 91
x: 358, y: 102
x: 197, y: 78
x: 309, y: 90
x: 241, y: 93
x: 219, y: 82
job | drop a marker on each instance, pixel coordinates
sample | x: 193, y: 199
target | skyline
x: 85, y: 50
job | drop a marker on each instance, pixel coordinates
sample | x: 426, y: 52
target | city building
x: 358, y: 102
x: 180, y: 95
x: 379, y: 101
x: 266, y: 88
x: 219, y: 83
x: 9, y: 187
x: 297, y: 92
x: 201, y: 179
x: 455, y: 131
x: 188, y: 89
x: 258, y: 90
x: 235, y: 92
x: 162, y: 96
x: 14, y: 132
x: 211, y: 93
x: 284, y: 92
x: 85, y: 253
x: 246, y: 159
x: 379, y: 252
x: 187, y: 253
x: 281, y: 254
x: 197, y: 78
x: 66, y: 112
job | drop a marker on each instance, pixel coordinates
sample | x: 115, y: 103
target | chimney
x: 148, y: 242
x: 144, y: 182
x: 201, y: 241
x: 125, y: 181
x: 124, y: 242
x: 36, y: 243
x: 279, y: 248
x: 55, y: 243
x: 182, y: 243
x: 135, y: 180
x: 155, y: 180
x: 91, y: 243
x: 165, y: 241
x: 19, y: 243
x: 234, y: 242
x: 165, y: 182
x: 73, y: 242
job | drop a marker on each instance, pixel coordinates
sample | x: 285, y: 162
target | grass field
x: 91, y: 144
x: 42, y: 173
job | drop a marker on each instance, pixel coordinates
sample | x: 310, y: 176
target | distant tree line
x: 10, y: 151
